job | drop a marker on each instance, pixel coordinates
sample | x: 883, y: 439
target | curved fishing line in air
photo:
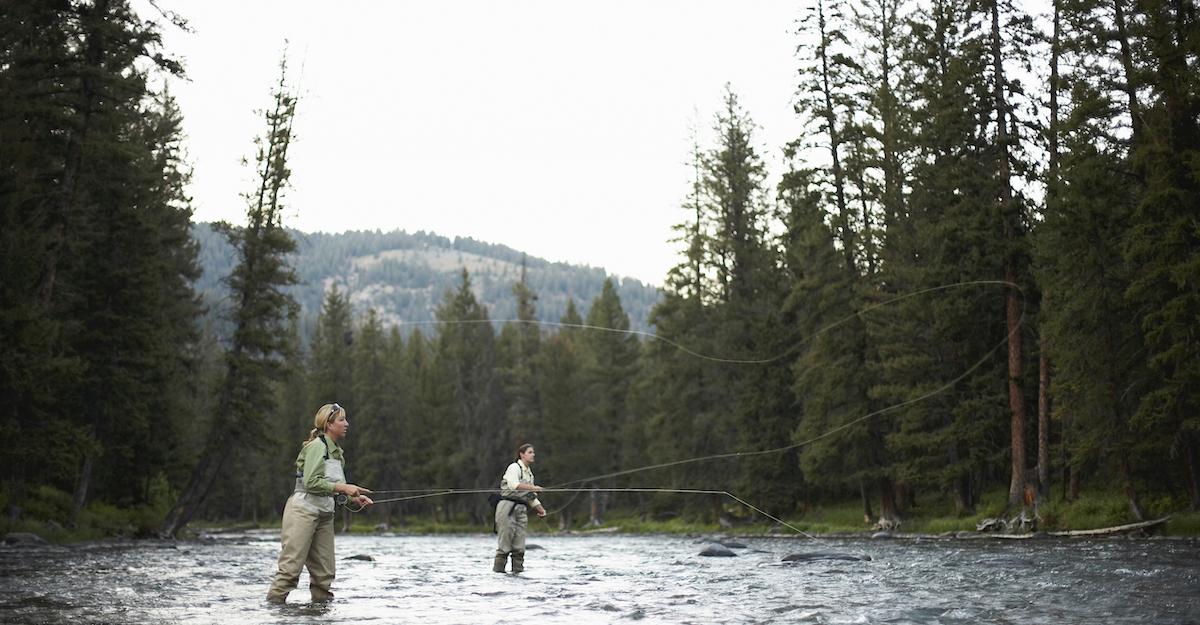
x: 937, y: 391
x: 685, y: 491
x: 425, y: 493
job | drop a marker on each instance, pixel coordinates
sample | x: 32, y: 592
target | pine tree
x: 374, y: 419
x: 467, y: 354
x: 430, y: 435
x: 395, y: 422
x: 1163, y: 244
x: 724, y: 301
x: 1006, y: 46
x: 608, y: 361
x: 831, y: 381
x: 565, y: 446
x: 261, y: 309
x: 518, y: 348
x: 136, y: 309
x: 98, y: 311
x: 331, y: 372
x: 948, y: 235
x: 292, y: 422
x: 823, y: 99
x: 1090, y: 328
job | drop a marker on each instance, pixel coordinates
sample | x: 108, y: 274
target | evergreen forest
x: 973, y: 287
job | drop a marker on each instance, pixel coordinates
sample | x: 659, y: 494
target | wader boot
x: 502, y: 561
x: 518, y: 561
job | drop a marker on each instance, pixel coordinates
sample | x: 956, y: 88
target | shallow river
x: 611, y: 578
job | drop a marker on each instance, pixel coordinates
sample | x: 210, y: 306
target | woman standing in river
x: 512, y: 517
x: 306, y: 538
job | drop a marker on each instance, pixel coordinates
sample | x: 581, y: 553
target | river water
x: 611, y: 579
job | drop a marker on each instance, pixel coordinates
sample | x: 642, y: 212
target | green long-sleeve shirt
x: 311, y: 463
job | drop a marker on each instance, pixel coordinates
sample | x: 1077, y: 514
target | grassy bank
x: 1089, y: 511
x: 45, y: 517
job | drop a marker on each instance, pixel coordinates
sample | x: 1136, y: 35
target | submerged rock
x: 717, y: 550
x: 361, y: 556
x: 534, y: 547
x: 825, y: 555
x: 23, y: 539
x: 732, y: 544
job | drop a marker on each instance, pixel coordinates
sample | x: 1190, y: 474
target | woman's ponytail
x: 321, y: 420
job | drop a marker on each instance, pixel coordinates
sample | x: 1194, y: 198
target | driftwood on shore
x: 968, y: 535
x: 1120, y: 529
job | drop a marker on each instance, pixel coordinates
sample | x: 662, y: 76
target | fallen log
x: 1114, y: 530
x: 980, y: 535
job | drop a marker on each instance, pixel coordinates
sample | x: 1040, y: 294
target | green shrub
x: 107, y: 519
x: 47, y: 503
x: 1183, y: 524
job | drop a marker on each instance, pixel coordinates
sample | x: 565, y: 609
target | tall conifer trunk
x: 1043, y: 463
x: 1193, y: 471
x: 868, y: 515
x: 1012, y: 226
x: 888, y: 516
x: 1135, y: 504
x: 1135, y: 110
x: 81, y: 487
x: 835, y: 140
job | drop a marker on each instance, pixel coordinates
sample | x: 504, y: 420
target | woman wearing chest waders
x: 517, y: 493
x: 306, y: 538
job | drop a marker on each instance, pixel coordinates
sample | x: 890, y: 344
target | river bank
x: 843, y: 519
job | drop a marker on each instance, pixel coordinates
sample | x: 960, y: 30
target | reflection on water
x: 611, y: 578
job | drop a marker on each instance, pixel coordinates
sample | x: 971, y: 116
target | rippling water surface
x: 612, y: 578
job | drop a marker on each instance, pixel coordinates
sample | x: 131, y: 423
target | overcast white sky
x: 558, y: 128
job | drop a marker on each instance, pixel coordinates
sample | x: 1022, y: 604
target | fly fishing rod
x: 685, y: 491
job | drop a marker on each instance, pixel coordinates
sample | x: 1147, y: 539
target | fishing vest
x: 511, y: 492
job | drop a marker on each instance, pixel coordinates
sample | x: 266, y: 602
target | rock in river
x: 717, y: 550
x: 23, y: 539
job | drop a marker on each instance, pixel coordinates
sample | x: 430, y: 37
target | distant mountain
x: 404, y: 276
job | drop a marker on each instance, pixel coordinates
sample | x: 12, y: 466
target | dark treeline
x: 977, y: 273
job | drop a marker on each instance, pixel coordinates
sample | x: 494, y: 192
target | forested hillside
x: 975, y: 290
x: 403, y: 276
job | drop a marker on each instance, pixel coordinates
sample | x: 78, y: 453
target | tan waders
x: 306, y: 539
x: 512, y: 519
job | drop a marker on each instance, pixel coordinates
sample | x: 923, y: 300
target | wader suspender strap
x: 322, y: 437
x: 338, y: 498
x: 517, y: 499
